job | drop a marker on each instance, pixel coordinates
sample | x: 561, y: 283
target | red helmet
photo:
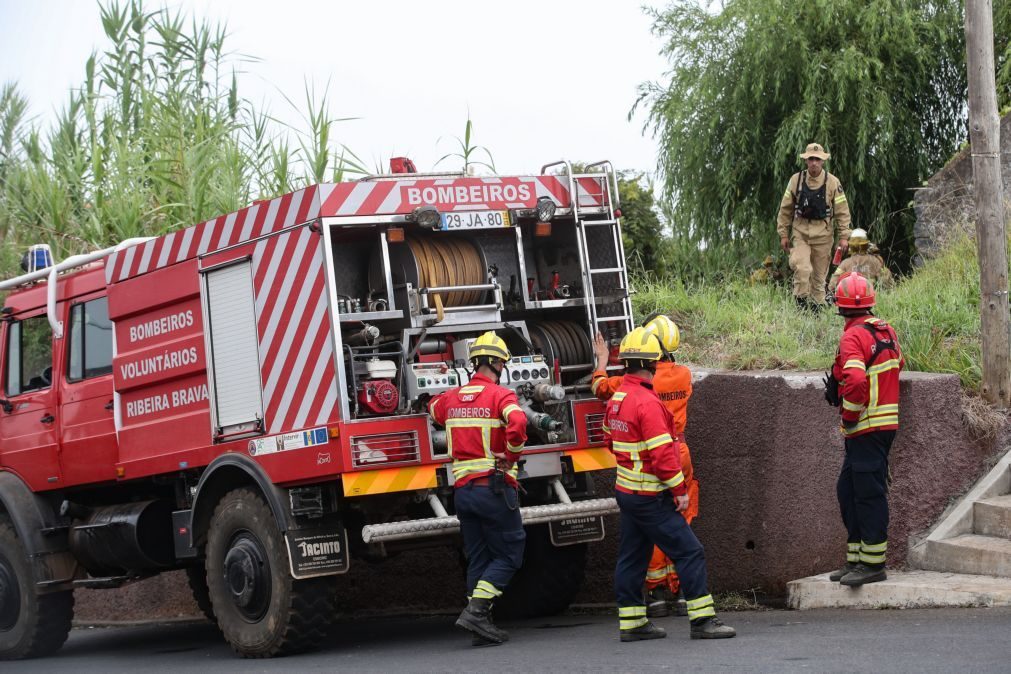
x: 854, y: 292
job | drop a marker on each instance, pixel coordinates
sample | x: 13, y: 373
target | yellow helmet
x: 858, y: 239
x: 491, y: 345
x: 640, y: 344
x: 666, y: 331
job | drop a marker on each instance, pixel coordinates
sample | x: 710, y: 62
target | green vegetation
x: 881, y: 83
x: 739, y: 326
x: 156, y: 138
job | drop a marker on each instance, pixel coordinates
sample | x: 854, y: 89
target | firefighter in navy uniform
x: 865, y: 384
x: 486, y: 431
x: 651, y: 494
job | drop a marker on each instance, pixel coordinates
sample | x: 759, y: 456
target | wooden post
x: 991, y: 241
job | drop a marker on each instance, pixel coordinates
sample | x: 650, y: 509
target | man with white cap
x: 813, y: 199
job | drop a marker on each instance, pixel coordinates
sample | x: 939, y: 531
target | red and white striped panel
x: 248, y: 223
x: 296, y: 351
x: 383, y: 197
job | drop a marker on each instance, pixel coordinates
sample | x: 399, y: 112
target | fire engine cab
x: 245, y: 398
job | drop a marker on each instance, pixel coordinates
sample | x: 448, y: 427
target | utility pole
x: 991, y: 240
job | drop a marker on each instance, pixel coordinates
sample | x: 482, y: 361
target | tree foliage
x: 641, y: 228
x: 881, y: 83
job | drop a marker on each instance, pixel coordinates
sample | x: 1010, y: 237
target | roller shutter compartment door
x: 235, y: 362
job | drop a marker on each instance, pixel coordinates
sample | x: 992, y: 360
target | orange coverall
x: 673, y: 383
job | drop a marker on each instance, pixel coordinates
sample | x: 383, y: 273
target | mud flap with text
x: 318, y: 552
x: 576, y: 529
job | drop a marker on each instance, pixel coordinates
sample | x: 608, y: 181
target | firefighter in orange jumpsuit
x: 673, y: 384
x: 864, y: 384
x: 651, y: 494
x: 486, y: 431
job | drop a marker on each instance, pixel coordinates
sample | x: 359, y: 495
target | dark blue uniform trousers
x: 493, y: 535
x: 649, y: 520
x: 863, y: 494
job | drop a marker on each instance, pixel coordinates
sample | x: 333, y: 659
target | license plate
x: 475, y: 220
x: 576, y: 529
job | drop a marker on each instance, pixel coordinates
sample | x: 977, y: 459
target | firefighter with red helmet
x: 673, y: 385
x: 652, y: 495
x: 486, y: 431
x: 864, y: 384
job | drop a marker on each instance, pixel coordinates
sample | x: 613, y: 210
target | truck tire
x: 548, y: 580
x: 261, y: 610
x: 31, y: 624
x: 196, y: 577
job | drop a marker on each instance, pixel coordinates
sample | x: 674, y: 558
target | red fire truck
x: 245, y: 398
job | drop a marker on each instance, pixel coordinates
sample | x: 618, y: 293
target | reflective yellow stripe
x: 474, y: 423
x: 515, y: 449
x: 675, y: 481
x: 872, y: 559
x: 853, y: 552
x: 485, y: 590
x: 855, y: 364
x: 875, y: 547
x: 839, y: 199
x: 658, y: 441
x: 619, y: 396
x: 701, y: 607
x: 853, y: 547
x: 632, y: 447
x: 631, y: 611
x: 891, y: 364
x: 657, y: 574
x: 852, y: 407
x: 787, y: 193
x: 595, y: 384
x: 464, y: 468
x: 467, y: 390
x: 509, y: 409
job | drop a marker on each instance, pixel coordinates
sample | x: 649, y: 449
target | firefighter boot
x: 643, y: 632
x: 712, y: 628
x: 864, y: 574
x: 836, y: 576
x: 476, y: 618
x: 656, y: 603
x: 680, y: 605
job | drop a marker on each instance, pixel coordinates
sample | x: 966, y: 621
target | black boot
x: 864, y: 574
x: 836, y: 576
x: 680, y: 605
x: 712, y: 628
x: 656, y: 603
x: 643, y: 632
x: 476, y: 618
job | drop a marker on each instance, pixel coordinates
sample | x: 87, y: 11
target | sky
x: 408, y: 72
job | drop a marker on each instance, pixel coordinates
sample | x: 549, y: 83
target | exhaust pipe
x: 122, y: 539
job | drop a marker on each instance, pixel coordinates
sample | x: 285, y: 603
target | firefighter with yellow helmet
x: 652, y: 495
x: 486, y: 431
x: 673, y: 385
x: 863, y: 261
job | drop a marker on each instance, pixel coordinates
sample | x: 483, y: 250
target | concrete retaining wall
x: 767, y: 451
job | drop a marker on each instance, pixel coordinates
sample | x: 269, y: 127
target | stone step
x: 992, y: 516
x: 969, y: 553
x: 903, y: 589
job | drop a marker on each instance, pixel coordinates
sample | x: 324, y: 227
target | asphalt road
x: 929, y: 640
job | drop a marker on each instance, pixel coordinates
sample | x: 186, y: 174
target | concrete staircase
x: 965, y: 560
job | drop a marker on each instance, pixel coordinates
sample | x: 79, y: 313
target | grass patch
x: 737, y: 326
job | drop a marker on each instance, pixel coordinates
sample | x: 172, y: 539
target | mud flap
x: 322, y: 551
x: 576, y: 529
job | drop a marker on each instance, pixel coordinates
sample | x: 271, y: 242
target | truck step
x: 440, y: 526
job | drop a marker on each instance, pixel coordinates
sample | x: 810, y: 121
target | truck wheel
x: 260, y: 608
x: 547, y: 582
x: 196, y: 576
x: 31, y: 624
